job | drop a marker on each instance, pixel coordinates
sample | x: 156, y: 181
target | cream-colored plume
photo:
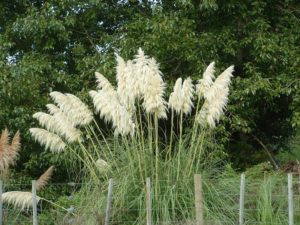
x: 175, y: 97
x: 57, y: 112
x: 187, y: 93
x: 216, y: 99
x: 181, y: 98
x: 103, y: 83
x: 205, y: 83
x: 111, y: 110
x: 44, y: 178
x: 151, y: 84
x: 76, y: 111
x: 50, y: 140
x: 222, y: 82
x: 19, y: 199
x: 128, y: 87
x: 53, y: 109
x: 59, y: 125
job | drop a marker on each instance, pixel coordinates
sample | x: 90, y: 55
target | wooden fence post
x: 290, y: 199
x: 34, y: 204
x: 242, y: 199
x: 148, y: 201
x: 1, y: 203
x: 109, y: 201
x: 198, y: 199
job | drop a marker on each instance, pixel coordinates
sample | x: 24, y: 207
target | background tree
x: 57, y: 45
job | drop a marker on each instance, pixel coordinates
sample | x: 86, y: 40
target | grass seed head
x: 44, y: 178
x: 207, y: 80
x: 50, y: 140
x: 19, y: 199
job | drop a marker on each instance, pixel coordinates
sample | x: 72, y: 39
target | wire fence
x: 240, y: 207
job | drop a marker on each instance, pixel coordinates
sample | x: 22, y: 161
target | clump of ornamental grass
x: 134, y: 110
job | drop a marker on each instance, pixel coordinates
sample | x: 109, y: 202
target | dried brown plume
x: 9, y: 152
x: 15, y: 148
x: 44, y: 178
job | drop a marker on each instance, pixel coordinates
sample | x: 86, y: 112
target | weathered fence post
x: 34, y: 204
x: 242, y: 199
x: 198, y: 199
x: 1, y: 203
x: 148, y: 201
x: 109, y: 201
x: 290, y: 199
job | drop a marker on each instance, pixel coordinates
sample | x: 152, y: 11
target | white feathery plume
x: 205, y: 83
x: 103, y: 83
x: 19, y: 199
x: 133, y: 85
x: 79, y: 112
x: 181, y: 98
x: 58, y: 125
x: 141, y: 66
x: 216, y: 108
x: 50, y: 140
x: 216, y: 99
x: 53, y: 109
x: 153, y: 88
x: 223, y: 81
x: 202, y: 116
x: 127, y: 83
x: 111, y: 110
x: 175, y: 97
x: 187, y: 93
x: 104, y: 104
x: 76, y: 111
x: 121, y: 76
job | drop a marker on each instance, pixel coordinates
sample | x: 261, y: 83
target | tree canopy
x: 58, y: 45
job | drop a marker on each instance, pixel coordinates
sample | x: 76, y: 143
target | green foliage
x: 57, y: 45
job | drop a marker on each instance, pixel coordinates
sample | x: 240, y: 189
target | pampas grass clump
x: 134, y: 109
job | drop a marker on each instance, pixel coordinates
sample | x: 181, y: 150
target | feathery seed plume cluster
x: 137, y: 79
x: 19, y: 199
x: 76, y: 111
x: 127, y: 83
x: 110, y: 108
x: 151, y: 85
x: 58, y: 125
x: 61, y: 122
x: 205, y: 83
x: 181, y: 99
x: 50, y: 140
x: 175, y: 97
x: 216, y: 98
